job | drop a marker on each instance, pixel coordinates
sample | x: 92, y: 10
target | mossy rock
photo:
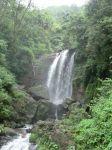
x: 45, y: 110
x: 39, y: 92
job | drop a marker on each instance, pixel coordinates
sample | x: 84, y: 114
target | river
x: 21, y: 142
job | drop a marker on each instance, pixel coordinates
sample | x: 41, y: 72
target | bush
x: 12, y: 100
x: 96, y: 133
x: 2, y: 129
x: 93, y: 131
x: 6, y: 78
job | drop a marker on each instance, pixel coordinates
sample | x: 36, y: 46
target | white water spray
x: 59, y: 81
x: 21, y: 142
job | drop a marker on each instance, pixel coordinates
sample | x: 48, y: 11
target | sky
x: 47, y: 3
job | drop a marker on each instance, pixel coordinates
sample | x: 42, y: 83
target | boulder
x: 44, y: 110
x: 39, y: 92
x: 10, y: 131
x: 4, y: 139
x: 47, y: 110
x: 30, y: 108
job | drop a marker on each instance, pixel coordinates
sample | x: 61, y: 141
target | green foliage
x: 33, y: 138
x: 89, y: 32
x: 84, y: 131
x: 2, y: 129
x: 26, y: 33
x: 89, y: 131
x: 12, y: 100
x: 6, y: 82
x: 76, y: 115
x: 99, y: 38
x: 6, y: 78
x: 5, y: 105
x: 44, y: 141
x: 3, y: 46
x: 95, y: 133
x: 3, y: 49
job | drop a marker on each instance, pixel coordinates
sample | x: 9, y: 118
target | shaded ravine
x: 21, y: 142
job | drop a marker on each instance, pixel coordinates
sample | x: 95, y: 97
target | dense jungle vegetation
x: 27, y: 33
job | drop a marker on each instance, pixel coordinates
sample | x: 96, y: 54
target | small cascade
x: 56, y: 113
x: 21, y: 142
x: 59, y: 81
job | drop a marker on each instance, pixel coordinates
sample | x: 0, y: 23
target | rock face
x: 8, y: 135
x: 38, y: 71
x: 78, y: 94
x: 10, y: 132
x: 42, y: 68
x: 30, y: 108
x: 23, y: 113
x: 4, y: 139
x: 38, y: 106
x: 46, y: 110
x: 39, y: 92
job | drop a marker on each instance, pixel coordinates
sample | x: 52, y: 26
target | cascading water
x: 59, y: 81
x: 21, y: 142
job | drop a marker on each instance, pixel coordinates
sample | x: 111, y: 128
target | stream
x: 21, y: 142
x: 59, y: 84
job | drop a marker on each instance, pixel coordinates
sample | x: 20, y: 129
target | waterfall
x: 59, y: 80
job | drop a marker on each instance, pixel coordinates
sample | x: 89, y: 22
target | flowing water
x: 59, y: 81
x: 21, y: 142
x: 56, y: 113
x: 59, y: 85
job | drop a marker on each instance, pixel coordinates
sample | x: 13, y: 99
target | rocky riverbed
x: 19, y: 141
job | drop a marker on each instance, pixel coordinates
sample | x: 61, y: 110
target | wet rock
x: 45, y: 110
x: 32, y: 147
x: 39, y: 92
x: 67, y: 103
x: 24, y: 112
x: 10, y: 132
x: 38, y: 71
x: 8, y: 135
x: 30, y: 108
x: 4, y: 140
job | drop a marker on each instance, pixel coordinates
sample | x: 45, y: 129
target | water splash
x: 56, y: 113
x: 59, y: 81
x: 18, y: 144
x: 21, y: 142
